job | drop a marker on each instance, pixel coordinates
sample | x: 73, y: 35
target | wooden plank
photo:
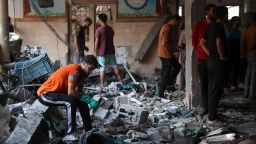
x: 151, y: 36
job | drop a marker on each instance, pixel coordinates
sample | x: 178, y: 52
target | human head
x: 103, y: 17
x: 235, y: 21
x: 174, y: 20
x: 87, y: 22
x: 89, y: 63
x: 210, y: 12
x: 222, y: 14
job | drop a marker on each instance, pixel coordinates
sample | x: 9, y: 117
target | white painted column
x: 194, y: 11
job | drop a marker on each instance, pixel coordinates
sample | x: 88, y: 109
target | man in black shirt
x: 214, y: 43
x: 80, y: 39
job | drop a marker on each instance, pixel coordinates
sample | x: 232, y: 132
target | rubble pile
x: 121, y: 113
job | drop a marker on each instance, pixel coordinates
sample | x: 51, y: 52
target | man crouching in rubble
x: 64, y: 87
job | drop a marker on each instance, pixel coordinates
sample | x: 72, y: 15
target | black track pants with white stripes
x: 71, y: 104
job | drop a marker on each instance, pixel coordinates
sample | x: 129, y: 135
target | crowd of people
x: 219, y: 49
x: 215, y: 40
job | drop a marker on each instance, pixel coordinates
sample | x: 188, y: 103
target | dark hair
x: 234, y: 18
x: 209, y: 6
x: 91, y: 59
x: 221, y: 12
x: 88, y: 20
x: 175, y: 17
x: 103, y: 17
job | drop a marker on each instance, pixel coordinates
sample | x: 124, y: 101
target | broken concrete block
x: 133, y: 115
x: 220, y: 138
x: 111, y: 116
x: 107, y: 104
x: 5, y: 117
x: 164, y: 134
x: 136, y: 101
x: 136, y: 135
x: 101, y: 113
x: 215, y: 132
x: 121, y: 100
x: 26, y: 127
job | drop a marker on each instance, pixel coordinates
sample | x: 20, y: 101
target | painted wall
x: 127, y: 34
x: 38, y: 34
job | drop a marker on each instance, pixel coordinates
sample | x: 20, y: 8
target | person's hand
x: 176, y: 55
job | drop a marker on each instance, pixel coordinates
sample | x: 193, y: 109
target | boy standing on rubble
x: 64, y: 87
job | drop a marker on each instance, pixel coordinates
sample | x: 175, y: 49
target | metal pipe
x: 130, y: 74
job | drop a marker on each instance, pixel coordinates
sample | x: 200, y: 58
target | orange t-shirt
x: 58, y: 81
x: 166, y: 43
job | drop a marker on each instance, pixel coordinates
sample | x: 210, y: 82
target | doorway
x: 80, y: 11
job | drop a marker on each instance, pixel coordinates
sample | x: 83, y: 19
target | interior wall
x: 127, y: 34
x: 38, y: 34
x: 35, y: 33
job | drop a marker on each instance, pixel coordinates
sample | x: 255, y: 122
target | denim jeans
x: 250, y: 77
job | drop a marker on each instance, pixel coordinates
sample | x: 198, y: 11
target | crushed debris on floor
x: 121, y: 113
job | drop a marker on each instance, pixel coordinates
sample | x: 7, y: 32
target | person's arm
x: 96, y: 45
x: 219, y: 46
x: 195, y: 37
x: 74, y: 87
x: 72, y: 90
x: 203, y: 45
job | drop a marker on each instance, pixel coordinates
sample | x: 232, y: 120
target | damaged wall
x: 37, y: 34
x: 130, y: 35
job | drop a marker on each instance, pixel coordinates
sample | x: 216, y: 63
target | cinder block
x: 121, y: 100
x: 26, y: 127
x: 101, y: 113
x: 133, y: 115
x: 107, y: 104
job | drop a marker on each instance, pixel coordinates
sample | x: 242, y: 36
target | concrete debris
x: 219, y: 139
x: 26, y: 127
x: 215, y: 132
x: 101, y: 113
x: 5, y: 117
x: 163, y: 134
x: 132, y: 115
x: 129, y: 112
x: 132, y: 134
x: 121, y: 100
x: 107, y: 104
x: 247, y: 128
